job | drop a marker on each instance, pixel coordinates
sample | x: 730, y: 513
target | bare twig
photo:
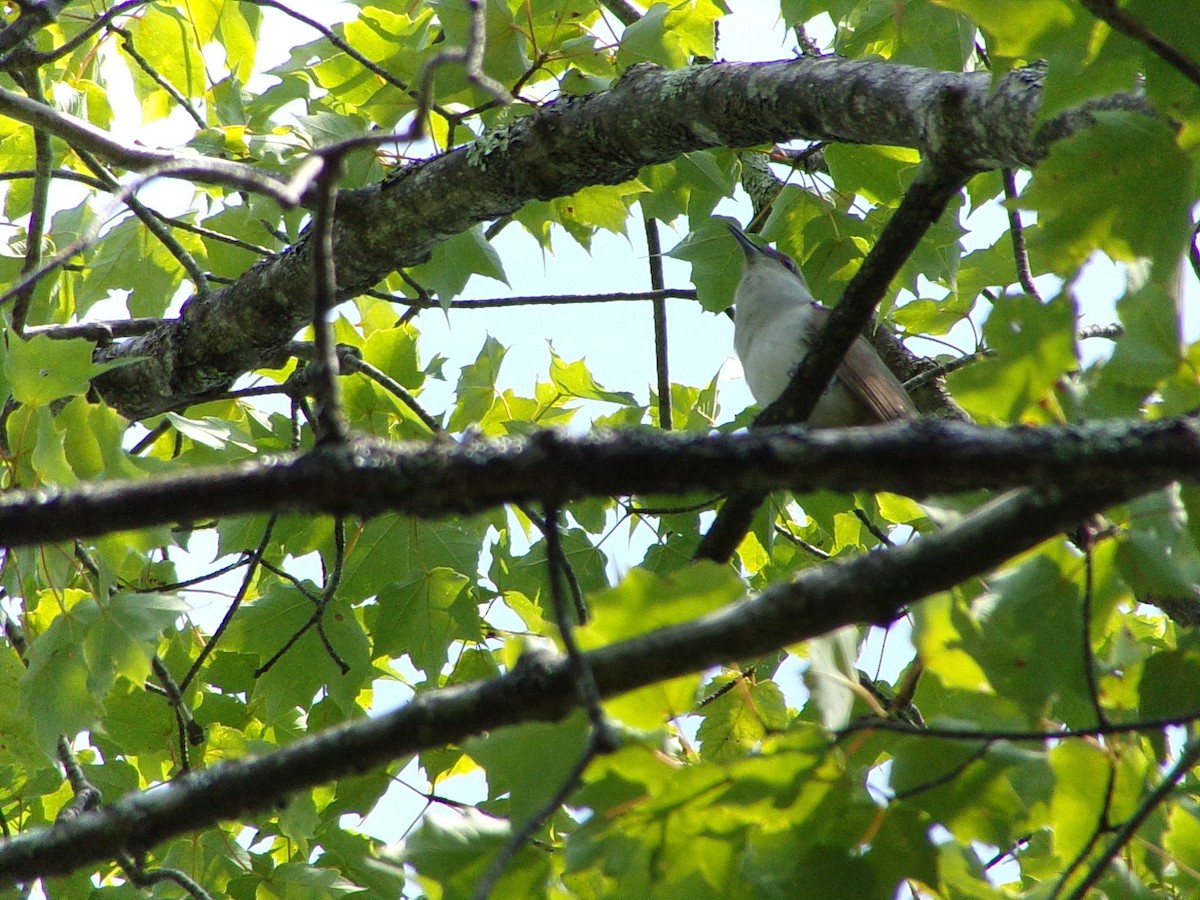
x: 1188, y: 757
x: 156, y: 76
x: 1119, y: 20
x: 654, y: 248
x: 317, y: 619
x: 521, y: 836
x: 147, y: 878
x: 36, y: 231
x: 330, y: 417
x: 86, y: 795
x: 33, y: 16
x: 193, y: 729
x: 1016, y: 232
x: 247, y: 580
x: 922, y: 206
x: 152, y: 222
x: 602, y: 740
x: 549, y: 299
x: 152, y: 163
x: 40, y: 58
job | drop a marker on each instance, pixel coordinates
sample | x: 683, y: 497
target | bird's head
x: 765, y: 257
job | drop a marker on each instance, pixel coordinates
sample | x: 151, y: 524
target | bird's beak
x: 748, y: 246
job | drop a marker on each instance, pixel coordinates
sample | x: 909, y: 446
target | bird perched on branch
x: 776, y: 320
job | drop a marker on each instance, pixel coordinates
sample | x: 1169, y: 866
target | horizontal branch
x: 368, y: 477
x: 874, y: 587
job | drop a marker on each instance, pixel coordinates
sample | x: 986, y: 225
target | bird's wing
x: 867, y: 376
x: 873, y: 383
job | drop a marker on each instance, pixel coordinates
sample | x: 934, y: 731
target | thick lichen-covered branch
x: 649, y: 116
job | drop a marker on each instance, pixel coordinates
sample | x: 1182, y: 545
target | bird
x: 776, y: 320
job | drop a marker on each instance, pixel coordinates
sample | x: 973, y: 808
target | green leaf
x: 1170, y: 684
x: 395, y: 550
x: 1121, y: 186
x: 451, y: 856
x: 1182, y: 843
x: 271, y: 623
x: 575, y: 380
x: 1035, y: 346
x: 600, y: 206
x: 716, y: 261
x: 832, y: 676
x: 881, y: 174
x: 57, y: 694
x: 1081, y: 772
x: 476, y: 389
x: 670, y: 34
x: 151, y: 283
x: 1145, y: 355
x: 737, y: 721
x: 423, y: 618
x: 1157, y: 555
x: 455, y: 260
x: 124, y: 637
x: 969, y: 793
x: 504, y: 756
x: 168, y: 43
x: 643, y: 602
x: 41, y: 370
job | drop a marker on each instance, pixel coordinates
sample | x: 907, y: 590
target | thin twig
x: 1188, y: 757
x: 1016, y: 232
x: 156, y: 76
x: 589, y: 694
x: 152, y: 163
x: 86, y: 795
x: 101, y: 332
x: 247, y: 580
x: 152, y: 222
x: 946, y: 368
x: 330, y: 417
x: 946, y: 777
x: 545, y: 299
x: 36, y: 232
x: 873, y: 723
x: 33, y: 16
x: 654, y: 248
x: 36, y: 58
x: 317, y: 619
x: 1119, y: 20
x: 61, y: 174
x: 142, y: 877
x: 351, y: 363
x: 195, y: 731
x: 801, y: 543
x: 521, y: 836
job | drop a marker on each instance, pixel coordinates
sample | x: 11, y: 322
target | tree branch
x: 370, y: 477
x: 874, y: 587
x: 650, y: 116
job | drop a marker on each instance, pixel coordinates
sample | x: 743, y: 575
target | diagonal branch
x: 574, y: 143
x: 922, y: 206
x: 870, y: 588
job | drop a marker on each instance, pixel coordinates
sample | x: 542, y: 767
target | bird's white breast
x: 771, y: 329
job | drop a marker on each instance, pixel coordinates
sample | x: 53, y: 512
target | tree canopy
x: 258, y: 580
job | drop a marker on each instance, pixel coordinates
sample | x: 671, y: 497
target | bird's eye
x: 788, y: 262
